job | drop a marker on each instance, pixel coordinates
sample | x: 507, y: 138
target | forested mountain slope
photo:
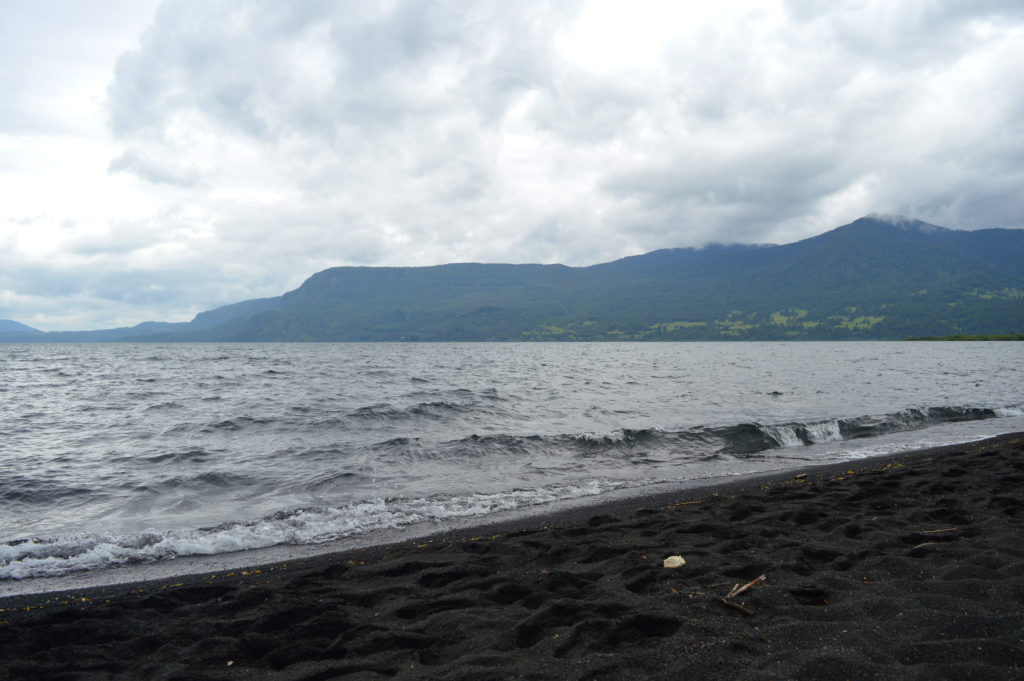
x: 873, y: 278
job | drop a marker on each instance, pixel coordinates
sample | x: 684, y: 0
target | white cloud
x: 154, y: 170
x: 169, y: 159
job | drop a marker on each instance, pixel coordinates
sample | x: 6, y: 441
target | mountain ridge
x: 877, y: 277
x: 11, y: 326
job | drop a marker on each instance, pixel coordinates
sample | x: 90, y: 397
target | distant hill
x: 147, y: 331
x: 11, y: 326
x: 876, y: 278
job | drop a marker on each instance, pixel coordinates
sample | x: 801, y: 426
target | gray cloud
x: 274, y: 139
x: 269, y: 69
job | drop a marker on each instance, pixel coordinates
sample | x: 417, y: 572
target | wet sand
x: 902, y: 567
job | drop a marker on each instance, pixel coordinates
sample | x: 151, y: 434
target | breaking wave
x: 738, y: 440
x: 38, y: 557
x: 64, y: 555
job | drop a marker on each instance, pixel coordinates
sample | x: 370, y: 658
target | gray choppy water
x: 123, y: 454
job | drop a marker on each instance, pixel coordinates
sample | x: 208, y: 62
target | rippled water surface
x: 119, y: 453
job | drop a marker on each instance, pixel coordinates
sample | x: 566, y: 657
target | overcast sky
x: 158, y: 159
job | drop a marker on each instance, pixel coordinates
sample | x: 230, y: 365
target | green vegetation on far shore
x: 976, y: 337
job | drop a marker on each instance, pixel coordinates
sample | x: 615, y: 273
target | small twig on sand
x: 334, y: 643
x: 742, y: 608
x: 948, y: 529
x: 929, y: 543
x: 737, y: 590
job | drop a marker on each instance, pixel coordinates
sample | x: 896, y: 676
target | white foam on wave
x: 64, y: 555
x: 825, y: 431
x: 789, y: 435
x: 784, y: 435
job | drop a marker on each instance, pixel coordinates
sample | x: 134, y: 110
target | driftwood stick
x: 737, y: 590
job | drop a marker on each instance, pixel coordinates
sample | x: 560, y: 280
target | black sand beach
x: 900, y: 567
